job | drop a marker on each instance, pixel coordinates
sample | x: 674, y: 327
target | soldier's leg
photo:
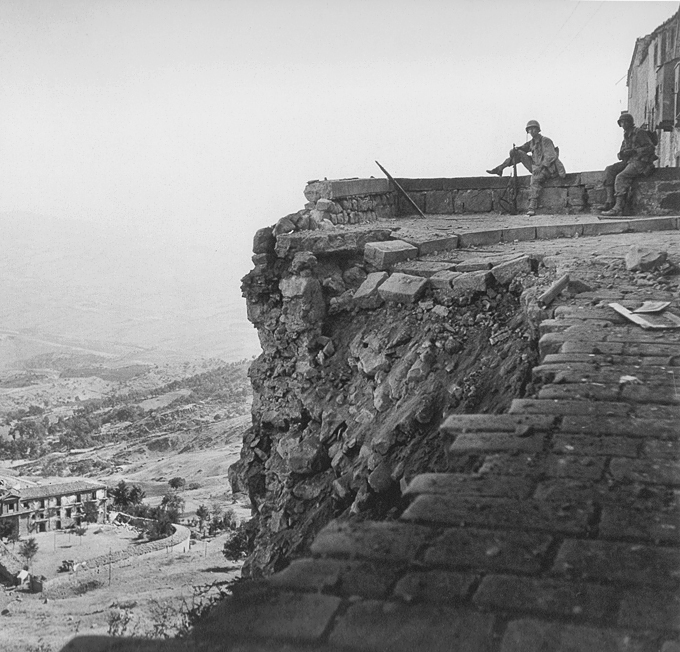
x: 538, y: 179
x: 622, y: 184
x: 515, y: 156
x: 610, y: 173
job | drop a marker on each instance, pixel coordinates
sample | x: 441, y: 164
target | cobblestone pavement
x: 557, y: 528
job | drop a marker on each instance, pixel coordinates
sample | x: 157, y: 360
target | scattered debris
x: 549, y: 295
x: 639, y: 259
x: 652, y: 306
x: 655, y: 322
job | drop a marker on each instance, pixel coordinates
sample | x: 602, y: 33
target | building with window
x: 42, y: 508
x: 654, y: 86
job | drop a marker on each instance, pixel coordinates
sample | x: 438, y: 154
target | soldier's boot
x: 533, y: 204
x: 609, y: 202
x: 618, y: 207
x: 497, y: 170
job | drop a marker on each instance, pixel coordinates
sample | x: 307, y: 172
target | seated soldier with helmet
x: 636, y: 158
x: 540, y: 157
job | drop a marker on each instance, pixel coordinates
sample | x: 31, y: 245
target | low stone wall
x: 63, y: 585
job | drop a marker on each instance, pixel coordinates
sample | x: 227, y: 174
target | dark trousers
x: 621, y: 175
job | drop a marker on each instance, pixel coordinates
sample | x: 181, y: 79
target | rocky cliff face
x: 349, y: 394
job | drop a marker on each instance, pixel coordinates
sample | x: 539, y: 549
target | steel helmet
x: 625, y: 117
x: 533, y: 123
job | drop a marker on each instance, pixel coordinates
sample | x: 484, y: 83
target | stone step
x: 616, y: 360
x: 649, y: 393
x: 625, y: 427
x: 460, y: 484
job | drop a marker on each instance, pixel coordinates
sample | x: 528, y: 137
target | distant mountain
x: 117, y: 290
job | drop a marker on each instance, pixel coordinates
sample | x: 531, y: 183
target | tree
x: 203, y: 514
x: 136, y: 495
x: 177, y: 483
x: 91, y: 510
x: 120, y: 494
x: 172, y: 505
x: 28, y: 549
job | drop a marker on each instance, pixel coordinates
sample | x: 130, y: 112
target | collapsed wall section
x: 365, y: 351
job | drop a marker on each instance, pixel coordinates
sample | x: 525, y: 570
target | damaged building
x: 654, y: 87
x: 43, y: 508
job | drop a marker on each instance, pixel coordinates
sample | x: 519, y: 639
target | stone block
x: 367, y: 295
x: 643, y: 524
x: 629, y: 563
x: 569, y: 408
x: 577, y: 467
x: 461, y: 484
x: 288, y: 616
x: 329, y: 241
x: 496, y: 423
x: 435, y: 586
x: 653, y: 224
x: 506, y: 272
x: 472, y: 265
x: 479, y: 442
x: 592, y: 445
x: 402, y: 288
x: 596, y: 196
x: 341, y: 577
x: 374, y: 625
x: 552, y: 231
x: 518, y: 233
x: 605, y: 228
x: 644, y: 260
x: 591, y: 179
x: 438, y: 202
x: 424, y: 268
x: 428, y: 244
x: 553, y: 200
x: 442, y: 280
x: 340, y: 188
x: 479, y: 238
x: 471, y: 283
x: 540, y: 636
x: 385, y: 254
x: 551, y: 597
x: 264, y: 241
x: 489, y: 550
x: 380, y: 541
x: 665, y: 472
x: 473, y: 201
x: 576, y: 196
x: 492, y: 512
x: 404, y: 208
x: 648, y: 609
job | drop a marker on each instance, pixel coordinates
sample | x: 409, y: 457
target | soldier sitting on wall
x: 540, y: 157
x: 636, y: 158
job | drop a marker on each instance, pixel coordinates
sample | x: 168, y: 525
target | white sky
x: 209, y: 116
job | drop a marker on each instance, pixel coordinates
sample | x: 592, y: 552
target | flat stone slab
x: 385, y: 254
x: 402, y: 288
x: 506, y: 272
x: 428, y: 244
x: 424, y: 268
x: 442, y: 280
x: 328, y: 241
x: 340, y: 188
x: 471, y: 283
x: 367, y: 295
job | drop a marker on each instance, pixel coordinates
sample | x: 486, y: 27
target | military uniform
x: 636, y: 159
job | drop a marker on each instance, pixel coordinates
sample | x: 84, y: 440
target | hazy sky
x: 207, y: 117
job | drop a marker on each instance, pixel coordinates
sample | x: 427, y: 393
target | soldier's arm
x: 643, y: 143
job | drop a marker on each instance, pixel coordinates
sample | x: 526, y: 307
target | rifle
x: 400, y: 190
x: 514, y: 183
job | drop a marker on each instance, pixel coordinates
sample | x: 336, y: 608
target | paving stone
x: 574, y: 373
x: 609, y: 360
x: 492, y: 550
x: 630, y: 563
x: 553, y: 231
x: 442, y: 280
x: 479, y: 238
x: 671, y: 646
x: 383, y: 541
x: 646, y: 471
x: 605, y: 228
x: 494, y: 512
x: 385, y: 254
x: 477, y: 442
x: 402, y: 288
x: 656, y: 411
x: 642, y: 524
x: 346, y: 578
x: 650, y: 393
x: 601, y: 493
x: 518, y: 233
x: 662, y: 448
x: 566, y: 408
x: 428, y: 243
x: 581, y: 391
x: 592, y: 445
x: 511, y: 465
x: 424, y: 268
x: 471, y: 282
x: 459, y: 484
x: 578, y: 467
x: 506, y: 272
x: 367, y: 295
x: 552, y: 597
x: 539, y: 636
x: 497, y: 423
x: 434, y: 586
x: 598, y: 314
x: 606, y: 348
x: 379, y: 626
x: 472, y: 265
x: 279, y: 615
x: 628, y: 426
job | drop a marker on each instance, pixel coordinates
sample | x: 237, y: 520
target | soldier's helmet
x: 625, y: 118
x: 533, y: 123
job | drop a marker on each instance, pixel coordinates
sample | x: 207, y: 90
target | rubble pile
x: 365, y: 351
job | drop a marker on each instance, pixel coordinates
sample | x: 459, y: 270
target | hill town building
x: 43, y: 508
x: 654, y: 87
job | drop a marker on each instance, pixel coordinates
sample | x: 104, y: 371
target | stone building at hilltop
x: 654, y: 87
